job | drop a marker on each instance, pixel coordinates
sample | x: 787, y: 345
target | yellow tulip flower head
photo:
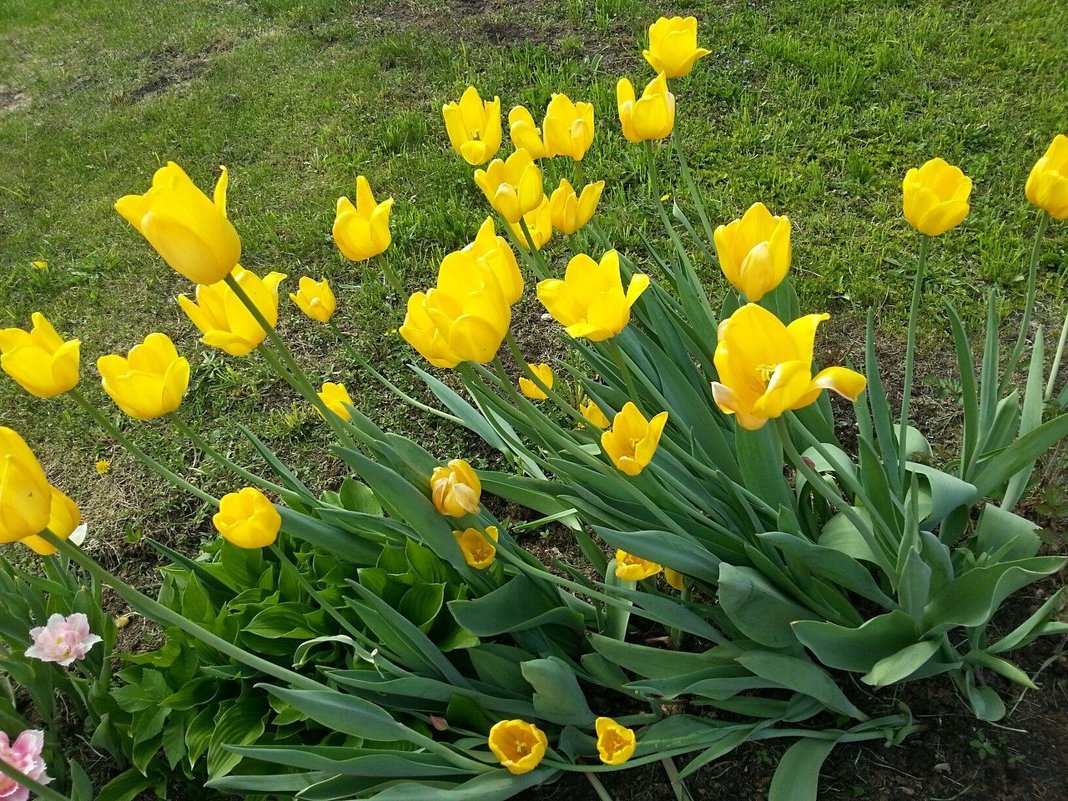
x: 247, y: 519
x: 540, y: 225
x: 936, y: 197
x: 675, y: 579
x: 361, y: 231
x: 590, y: 301
x: 652, y: 116
x: 474, y: 126
x: 615, y: 743
x: 1047, y: 185
x: 222, y: 317
x: 315, y: 298
x: 766, y: 367
x: 463, y: 319
x: 673, y: 46
x: 632, y: 440
x: 513, y: 187
x: 335, y: 398
x: 39, y: 360
x: 593, y: 414
x: 190, y: 232
x: 518, y: 745
x: 25, y: 495
x: 455, y: 489
x: 568, y: 127
x: 570, y: 211
x: 544, y: 373
x: 754, y: 252
x: 64, y: 517
x: 525, y: 133
x: 478, y: 547
x: 148, y: 383
x: 493, y: 253
x: 633, y: 568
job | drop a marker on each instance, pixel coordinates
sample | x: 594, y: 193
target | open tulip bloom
x: 40, y: 360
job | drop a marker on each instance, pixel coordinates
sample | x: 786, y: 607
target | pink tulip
x: 25, y: 756
x: 62, y: 640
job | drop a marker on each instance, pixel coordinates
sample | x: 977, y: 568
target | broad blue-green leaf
x: 801, y: 676
x: 798, y: 776
x: 914, y: 585
x: 1006, y: 535
x: 996, y: 469
x: 901, y: 665
x: 347, y: 714
x: 857, y: 649
x: 759, y: 610
x: 842, y: 535
x: 516, y: 606
x: 351, y: 761
x: 1022, y: 634
x: 658, y: 663
x: 940, y: 493
x: 829, y: 563
x: 239, y: 723
x: 665, y: 548
x: 331, y: 539
x: 557, y: 695
x: 495, y: 786
x: 985, y: 703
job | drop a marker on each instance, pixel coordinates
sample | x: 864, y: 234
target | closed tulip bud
x: 675, y: 579
x: 222, y: 317
x: 518, y: 745
x: 590, y: 301
x: 545, y: 374
x: 1047, y: 185
x: 336, y: 398
x: 936, y: 197
x: 540, y: 225
x: 315, y: 298
x: 754, y: 252
x: 478, y: 548
x: 361, y: 231
x: 150, y: 382
x: 39, y: 360
x: 189, y: 231
x: 25, y: 495
x: 493, y: 253
x: 525, y: 133
x: 615, y: 743
x: 673, y: 46
x: 632, y: 440
x: 455, y: 489
x: 474, y: 126
x: 633, y: 568
x: 569, y: 211
x: 593, y: 414
x: 568, y: 127
x: 765, y: 367
x: 247, y: 519
x: 513, y: 187
x: 652, y: 116
x: 64, y: 518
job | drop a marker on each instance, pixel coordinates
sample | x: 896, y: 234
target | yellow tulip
x: 593, y: 414
x: 936, y: 197
x: 39, y: 360
x: 525, y: 133
x: 362, y: 231
x: 463, y: 319
x: 25, y: 495
x: 335, y: 398
x: 754, y: 252
x: 474, y: 126
x: 190, y: 232
x: 615, y: 743
x: 1047, y: 185
x: 539, y: 224
x: 673, y: 46
x: 569, y: 211
x: 315, y: 298
x: 633, y: 568
x: 455, y: 489
x: 652, y: 116
x: 150, y: 382
x: 247, y: 519
x: 590, y: 302
x: 63, y: 518
x: 513, y: 187
x: 222, y: 317
x: 518, y: 745
x: 568, y: 127
x: 675, y: 579
x: 766, y: 367
x: 632, y: 440
x: 545, y: 373
x: 493, y: 253
x: 477, y: 547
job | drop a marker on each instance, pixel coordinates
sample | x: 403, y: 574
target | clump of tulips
x: 681, y: 440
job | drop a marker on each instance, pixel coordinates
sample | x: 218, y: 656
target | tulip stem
x: 1029, y: 304
x: 391, y: 277
x: 695, y: 195
x: 540, y: 268
x: 598, y: 787
x: 681, y: 793
x: 310, y: 589
x: 910, y: 358
x: 209, y: 451
x: 621, y: 365
x: 163, y: 472
x: 524, y: 367
x: 41, y: 790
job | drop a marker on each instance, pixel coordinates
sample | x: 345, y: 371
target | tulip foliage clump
x: 393, y: 639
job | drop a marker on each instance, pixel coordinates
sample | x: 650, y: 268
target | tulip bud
x: 632, y: 440
x: 247, y: 519
x: 754, y: 252
x: 39, y: 360
x: 1047, y: 185
x: 568, y: 127
x: 513, y: 187
x: 25, y: 495
x: 673, y: 46
x: 315, y: 298
x: 936, y: 197
x: 539, y: 224
x: 150, y: 382
x: 222, y: 317
x: 474, y: 126
x: 361, y: 231
x: 336, y: 398
x: 525, y: 133
x: 568, y: 211
x: 652, y: 116
x: 545, y: 374
x: 455, y: 490
x: 592, y: 412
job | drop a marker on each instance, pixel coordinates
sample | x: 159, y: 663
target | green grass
x: 815, y: 108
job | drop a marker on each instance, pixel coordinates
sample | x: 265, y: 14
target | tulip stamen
x: 766, y: 371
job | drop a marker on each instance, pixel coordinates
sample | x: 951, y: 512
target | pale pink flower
x: 62, y: 640
x: 24, y: 755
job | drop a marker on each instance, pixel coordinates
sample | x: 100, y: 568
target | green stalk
x: 541, y: 269
x: 1029, y: 304
x: 212, y: 453
x: 391, y: 275
x: 1056, y: 368
x: 621, y: 365
x: 681, y: 793
x: 691, y: 186
x: 580, y: 176
x: 163, y: 472
x: 523, y: 365
x: 910, y: 357
x: 41, y: 790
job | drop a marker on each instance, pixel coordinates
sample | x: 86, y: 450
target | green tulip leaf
x: 557, y: 695
x: 1005, y: 536
x: 857, y: 649
x: 798, y: 775
x: 901, y: 665
x: 758, y: 609
x: 801, y: 676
